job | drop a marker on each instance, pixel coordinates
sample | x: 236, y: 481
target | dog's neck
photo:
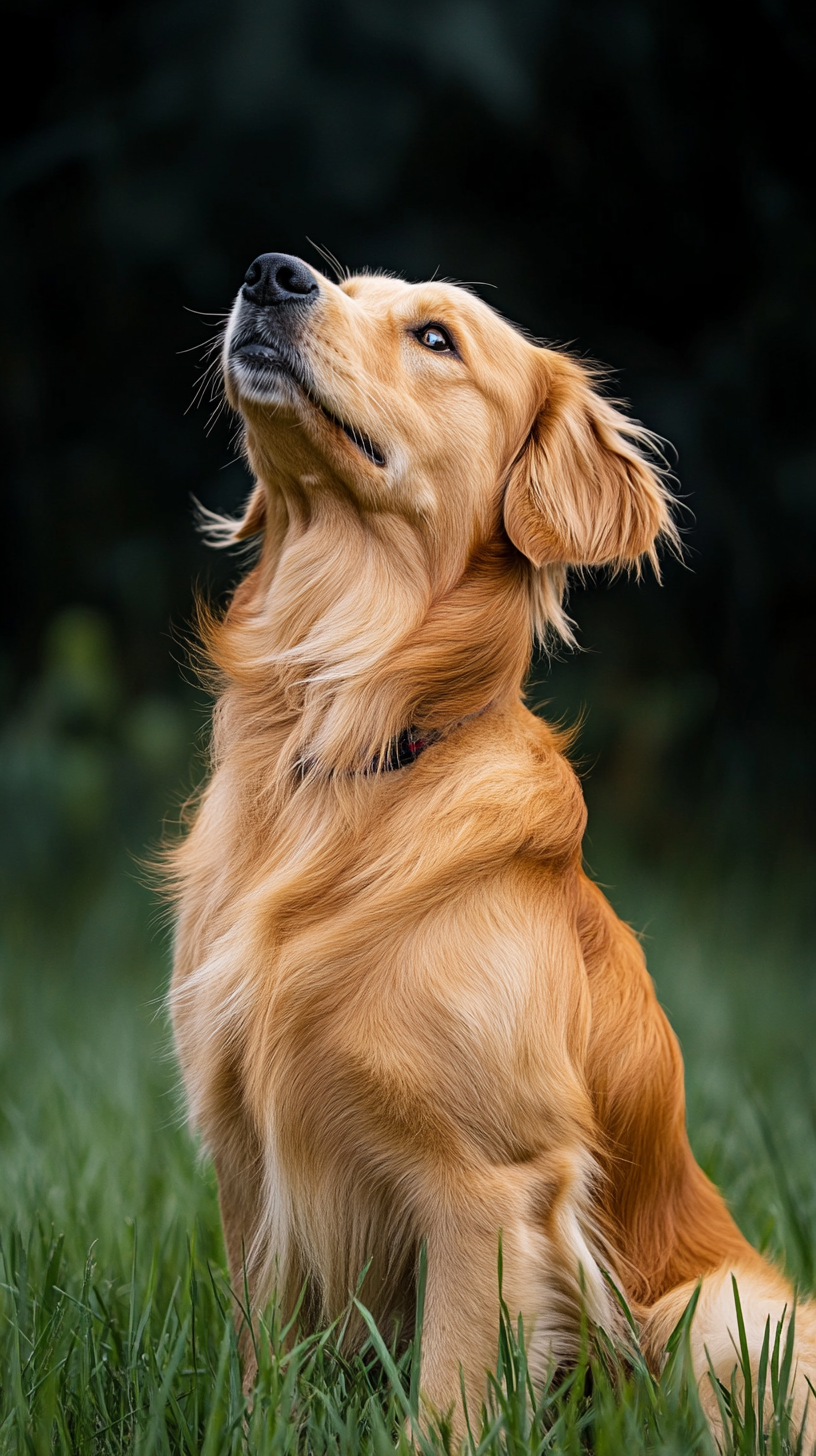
x: 342, y: 636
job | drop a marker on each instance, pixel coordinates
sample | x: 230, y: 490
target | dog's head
x: 418, y: 399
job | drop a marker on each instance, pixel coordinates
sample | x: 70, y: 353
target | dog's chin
x: 256, y: 375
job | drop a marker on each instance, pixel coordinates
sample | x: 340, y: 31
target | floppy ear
x: 582, y: 493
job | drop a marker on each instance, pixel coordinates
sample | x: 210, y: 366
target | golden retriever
x: 402, y: 1010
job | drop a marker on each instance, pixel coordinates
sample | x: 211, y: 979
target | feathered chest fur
x: 381, y: 915
x: 370, y: 985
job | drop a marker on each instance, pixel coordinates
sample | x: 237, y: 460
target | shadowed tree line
x: 634, y: 179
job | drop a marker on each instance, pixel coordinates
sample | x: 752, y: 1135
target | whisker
x: 201, y: 388
x: 206, y: 379
x: 330, y: 258
x: 215, y: 416
x: 206, y: 346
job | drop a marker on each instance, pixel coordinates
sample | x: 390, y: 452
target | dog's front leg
x: 538, y: 1213
x: 240, y: 1202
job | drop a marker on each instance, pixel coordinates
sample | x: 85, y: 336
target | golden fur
x: 402, y: 1010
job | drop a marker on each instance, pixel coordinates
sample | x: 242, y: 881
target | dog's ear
x: 582, y: 492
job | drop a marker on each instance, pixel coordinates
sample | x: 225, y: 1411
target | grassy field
x: 116, y: 1320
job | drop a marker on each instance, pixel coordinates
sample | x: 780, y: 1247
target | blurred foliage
x: 634, y: 177
x: 83, y: 767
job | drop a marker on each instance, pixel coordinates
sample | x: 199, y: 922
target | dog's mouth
x: 261, y: 360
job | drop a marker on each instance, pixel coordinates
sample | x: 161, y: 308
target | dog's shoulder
x: 554, y: 808
x: 507, y: 771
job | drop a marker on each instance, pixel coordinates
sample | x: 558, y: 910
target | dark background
x: 635, y: 179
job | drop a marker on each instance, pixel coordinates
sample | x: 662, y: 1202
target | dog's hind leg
x: 671, y: 1224
x: 765, y: 1300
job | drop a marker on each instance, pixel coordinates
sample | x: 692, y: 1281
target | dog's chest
x: 405, y: 980
x: 380, y: 1028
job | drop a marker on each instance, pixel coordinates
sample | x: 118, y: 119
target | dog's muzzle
x: 273, y: 305
x: 263, y: 345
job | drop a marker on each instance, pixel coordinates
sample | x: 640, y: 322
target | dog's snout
x: 276, y: 278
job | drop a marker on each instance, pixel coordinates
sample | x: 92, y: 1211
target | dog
x: 405, y: 1016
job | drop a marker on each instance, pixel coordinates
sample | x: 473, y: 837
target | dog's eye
x: 433, y: 336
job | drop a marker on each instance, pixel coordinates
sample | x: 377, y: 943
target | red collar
x: 406, y: 747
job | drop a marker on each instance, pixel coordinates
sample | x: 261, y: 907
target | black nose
x: 278, y: 278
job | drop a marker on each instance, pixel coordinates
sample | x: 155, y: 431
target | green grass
x: 116, y: 1319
